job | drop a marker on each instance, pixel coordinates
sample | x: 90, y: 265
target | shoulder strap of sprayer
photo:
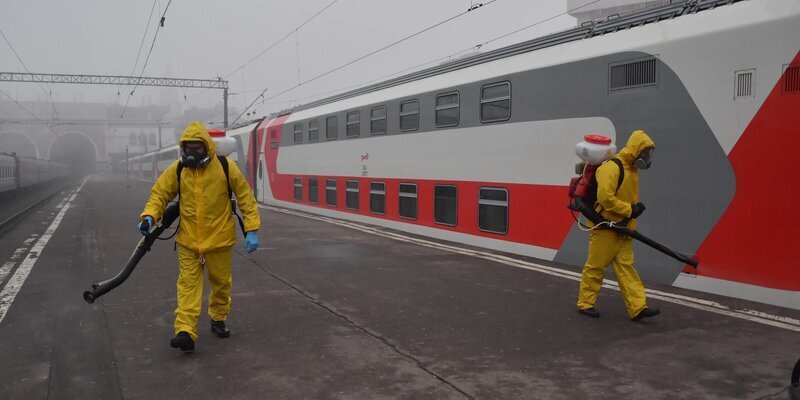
x: 621, y: 172
x: 224, y: 162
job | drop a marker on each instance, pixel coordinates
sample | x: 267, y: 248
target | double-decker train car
x: 481, y: 150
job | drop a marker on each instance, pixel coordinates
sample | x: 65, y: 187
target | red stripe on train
x: 538, y: 212
x: 755, y: 238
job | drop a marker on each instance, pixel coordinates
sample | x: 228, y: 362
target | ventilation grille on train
x: 633, y: 75
x: 744, y: 84
x: 792, y: 79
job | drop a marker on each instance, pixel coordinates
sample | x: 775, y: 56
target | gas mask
x: 193, y: 155
x: 644, y: 159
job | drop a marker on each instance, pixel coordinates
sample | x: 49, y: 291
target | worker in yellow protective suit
x: 618, y: 204
x: 206, y: 231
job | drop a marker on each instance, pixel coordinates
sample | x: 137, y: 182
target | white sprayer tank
x: 595, y: 149
x: 225, y: 145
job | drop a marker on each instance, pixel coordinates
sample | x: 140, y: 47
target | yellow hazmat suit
x: 207, y: 230
x: 605, y: 246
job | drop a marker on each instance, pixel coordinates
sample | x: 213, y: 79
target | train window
x: 313, y: 190
x: 353, y: 124
x: 493, y: 210
x: 298, y: 133
x: 313, y: 130
x: 377, y: 197
x: 409, y: 115
x: 330, y: 192
x: 408, y: 200
x: 351, y: 197
x: 332, y: 128
x: 377, y: 120
x: 298, y: 188
x: 445, y: 207
x: 447, y: 110
x: 496, y: 102
x: 260, y: 170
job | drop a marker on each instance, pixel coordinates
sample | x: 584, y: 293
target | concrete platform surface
x: 334, y: 310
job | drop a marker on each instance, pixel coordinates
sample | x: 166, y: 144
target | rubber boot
x: 219, y: 329
x: 590, y: 312
x: 646, y: 313
x: 182, y: 341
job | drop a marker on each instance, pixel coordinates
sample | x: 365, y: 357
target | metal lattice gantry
x: 122, y: 80
x: 114, y: 80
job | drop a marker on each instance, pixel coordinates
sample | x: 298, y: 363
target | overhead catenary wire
x: 146, y: 60
x: 475, y: 47
x: 538, y: 23
x: 277, y: 42
x: 281, y: 39
x: 351, y: 62
x: 35, y: 119
x: 18, y: 105
x: 251, y: 104
x: 48, y: 93
x: 141, y: 44
x: 380, y: 78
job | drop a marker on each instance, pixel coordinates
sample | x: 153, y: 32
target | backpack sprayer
x: 225, y: 146
x: 594, y: 151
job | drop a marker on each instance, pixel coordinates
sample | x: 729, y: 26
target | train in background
x: 480, y: 151
x: 21, y: 172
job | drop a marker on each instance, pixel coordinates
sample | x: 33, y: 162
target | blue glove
x: 145, y: 225
x: 251, y: 242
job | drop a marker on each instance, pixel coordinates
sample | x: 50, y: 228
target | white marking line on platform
x: 18, y: 279
x: 688, y: 301
x: 12, y: 261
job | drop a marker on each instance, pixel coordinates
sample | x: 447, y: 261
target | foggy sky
x: 205, y: 39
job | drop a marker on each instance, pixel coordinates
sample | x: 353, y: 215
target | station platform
x: 329, y: 309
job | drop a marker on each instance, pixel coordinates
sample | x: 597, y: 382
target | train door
x: 258, y: 162
x: 270, y: 151
x: 261, y: 172
x: 252, y: 165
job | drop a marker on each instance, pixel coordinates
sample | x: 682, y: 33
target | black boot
x: 589, y: 312
x: 182, y: 341
x: 219, y: 329
x: 646, y: 313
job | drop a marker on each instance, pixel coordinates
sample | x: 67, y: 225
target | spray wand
x: 171, y: 213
